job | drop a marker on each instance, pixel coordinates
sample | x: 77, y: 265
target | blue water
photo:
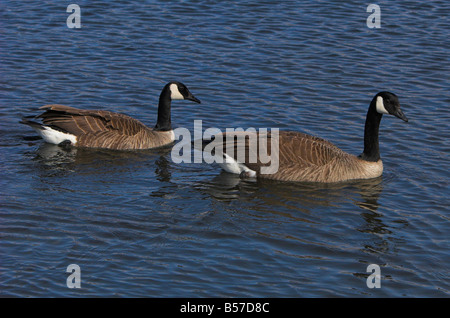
x: 139, y: 225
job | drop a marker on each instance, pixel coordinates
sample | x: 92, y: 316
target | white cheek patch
x: 174, y: 92
x: 380, y: 106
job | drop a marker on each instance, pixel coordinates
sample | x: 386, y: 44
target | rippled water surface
x: 140, y: 225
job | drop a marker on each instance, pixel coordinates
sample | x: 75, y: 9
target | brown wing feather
x: 103, y: 129
x: 294, y: 147
x: 302, y: 157
x: 78, y: 121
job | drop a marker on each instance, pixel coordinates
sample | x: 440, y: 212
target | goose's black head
x: 180, y: 91
x: 387, y: 103
x: 172, y: 90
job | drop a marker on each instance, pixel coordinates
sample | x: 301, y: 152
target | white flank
x: 174, y: 92
x: 232, y: 166
x: 54, y: 136
x: 380, y: 106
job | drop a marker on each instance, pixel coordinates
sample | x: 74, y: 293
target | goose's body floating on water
x: 306, y: 158
x: 104, y: 129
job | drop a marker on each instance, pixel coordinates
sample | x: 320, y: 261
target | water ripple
x: 141, y: 226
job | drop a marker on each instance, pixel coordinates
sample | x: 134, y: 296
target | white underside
x: 54, y: 136
x: 232, y: 166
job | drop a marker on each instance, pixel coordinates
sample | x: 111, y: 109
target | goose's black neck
x: 164, y: 122
x: 371, y: 146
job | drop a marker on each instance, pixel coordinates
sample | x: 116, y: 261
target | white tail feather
x: 54, y: 136
x: 230, y: 165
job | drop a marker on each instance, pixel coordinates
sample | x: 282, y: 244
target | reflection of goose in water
x: 306, y: 198
x: 306, y: 204
x: 230, y: 186
x: 102, y: 161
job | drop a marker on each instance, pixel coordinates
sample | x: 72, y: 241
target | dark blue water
x: 140, y: 225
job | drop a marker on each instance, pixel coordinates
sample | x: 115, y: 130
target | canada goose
x: 104, y: 129
x: 302, y: 157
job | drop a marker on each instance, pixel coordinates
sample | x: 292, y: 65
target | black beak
x: 399, y: 114
x: 193, y: 98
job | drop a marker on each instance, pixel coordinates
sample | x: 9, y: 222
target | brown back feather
x: 103, y: 129
x: 302, y: 157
